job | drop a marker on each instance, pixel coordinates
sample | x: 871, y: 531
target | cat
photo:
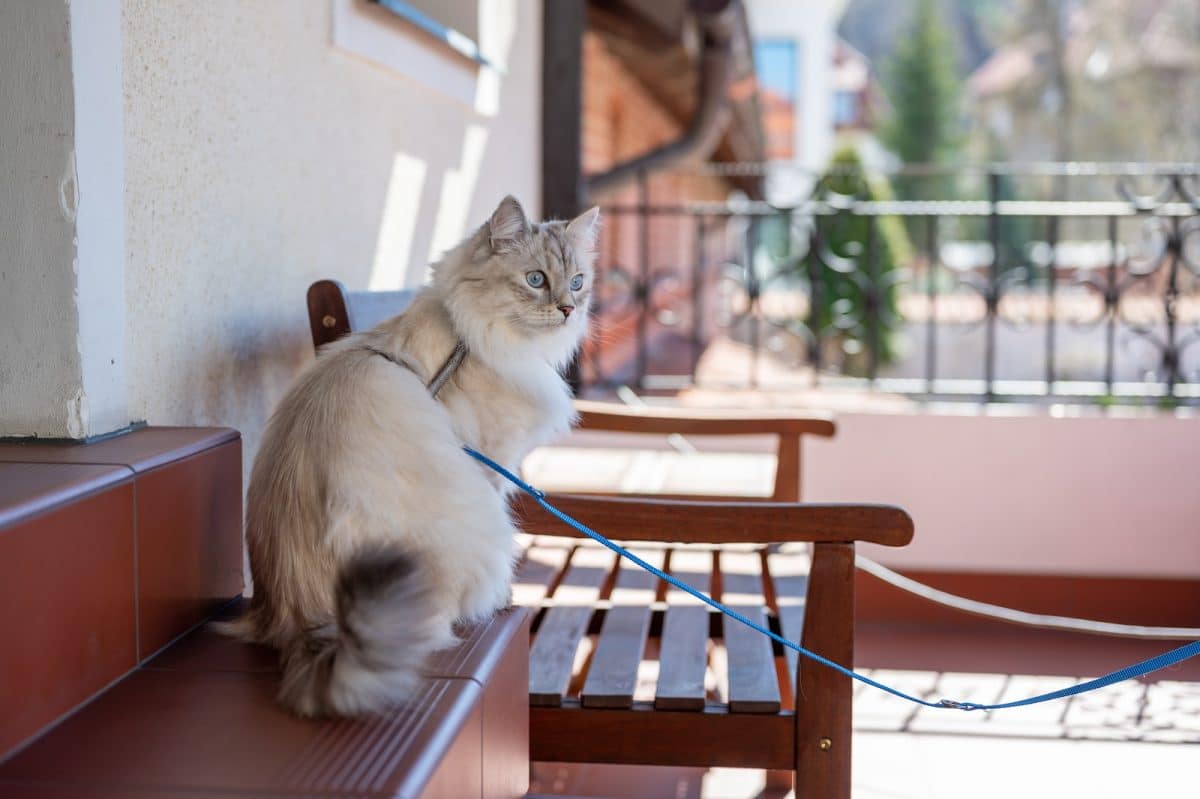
x: 370, y: 531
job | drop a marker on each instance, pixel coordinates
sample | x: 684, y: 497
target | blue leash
x: 1138, y: 669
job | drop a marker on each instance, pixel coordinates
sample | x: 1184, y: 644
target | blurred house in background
x: 795, y: 42
x: 857, y: 96
x: 1050, y: 91
x: 859, y: 105
x: 795, y: 45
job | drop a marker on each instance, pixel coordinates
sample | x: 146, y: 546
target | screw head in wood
x: 826, y: 744
x: 329, y: 321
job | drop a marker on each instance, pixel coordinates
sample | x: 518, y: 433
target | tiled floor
x: 1123, y: 741
x: 994, y: 664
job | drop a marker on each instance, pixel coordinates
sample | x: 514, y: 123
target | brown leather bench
x: 113, y: 551
x: 625, y: 669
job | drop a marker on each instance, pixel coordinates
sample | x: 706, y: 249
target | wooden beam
x: 563, y: 23
x: 644, y: 736
x: 824, y: 697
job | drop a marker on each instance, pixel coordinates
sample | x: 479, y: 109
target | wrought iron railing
x: 1063, y: 296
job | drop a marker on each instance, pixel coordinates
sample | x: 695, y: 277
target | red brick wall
x: 622, y: 120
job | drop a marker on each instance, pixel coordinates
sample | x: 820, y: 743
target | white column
x: 100, y: 221
x: 62, y: 230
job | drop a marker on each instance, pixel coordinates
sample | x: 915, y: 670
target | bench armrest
x: 679, y: 521
x: 699, y: 421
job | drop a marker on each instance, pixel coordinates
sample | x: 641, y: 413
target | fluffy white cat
x: 370, y: 531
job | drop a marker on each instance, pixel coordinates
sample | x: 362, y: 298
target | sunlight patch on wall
x: 401, y: 208
x: 458, y: 188
x: 497, y: 29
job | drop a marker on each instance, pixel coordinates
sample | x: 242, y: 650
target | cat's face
x: 534, y: 280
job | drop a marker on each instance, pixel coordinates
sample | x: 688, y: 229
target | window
x: 845, y: 109
x: 455, y: 22
x: 435, y: 48
x: 778, y: 69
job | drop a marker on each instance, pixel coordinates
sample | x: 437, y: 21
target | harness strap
x: 448, y: 369
x: 444, y: 372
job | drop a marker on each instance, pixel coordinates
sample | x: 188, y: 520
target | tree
x: 855, y: 314
x: 923, y: 86
x: 1112, y: 81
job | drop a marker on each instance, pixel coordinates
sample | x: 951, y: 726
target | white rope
x: 1043, y: 621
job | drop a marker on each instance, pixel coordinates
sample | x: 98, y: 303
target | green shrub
x: 842, y: 317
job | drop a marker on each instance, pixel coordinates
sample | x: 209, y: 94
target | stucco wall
x: 1029, y: 494
x: 1026, y: 493
x: 261, y: 157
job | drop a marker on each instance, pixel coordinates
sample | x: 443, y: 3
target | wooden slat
x: 643, y: 735
x: 612, y: 675
x: 698, y: 421
x: 788, y: 573
x: 683, y: 653
x: 683, y: 659
x: 552, y: 656
x: 753, y: 681
x: 677, y: 521
x: 823, y: 722
x: 693, y: 567
x: 636, y: 587
x: 538, y: 570
x: 791, y: 622
x: 787, y: 469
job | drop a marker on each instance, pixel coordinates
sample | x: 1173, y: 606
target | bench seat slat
x: 612, y: 675
x: 683, y: 649
x: 683, y: 659
x: 552, y: 656
x: 753, y: 682
x: 543, y: 560
x: 692, y: 567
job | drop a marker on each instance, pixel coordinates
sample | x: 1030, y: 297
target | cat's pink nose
x: 566, y: 310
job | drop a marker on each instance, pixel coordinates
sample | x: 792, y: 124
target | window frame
x: 456, y: 40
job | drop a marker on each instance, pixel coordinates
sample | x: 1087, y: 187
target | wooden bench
x: 625, y: 669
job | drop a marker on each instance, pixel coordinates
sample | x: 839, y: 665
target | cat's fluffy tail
x: 371, y: 657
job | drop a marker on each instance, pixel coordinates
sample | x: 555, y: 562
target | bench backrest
x: 334, y: 312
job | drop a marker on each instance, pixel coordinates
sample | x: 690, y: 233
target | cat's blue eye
x: 535, y: 279
x: 577, y: 283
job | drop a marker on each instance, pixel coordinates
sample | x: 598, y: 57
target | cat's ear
x: 582, y: 229
x: 508, y: 224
